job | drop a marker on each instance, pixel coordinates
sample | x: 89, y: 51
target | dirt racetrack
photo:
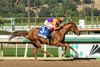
x: 30, y: 63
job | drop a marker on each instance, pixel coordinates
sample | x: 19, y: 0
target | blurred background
x: 27, y: 14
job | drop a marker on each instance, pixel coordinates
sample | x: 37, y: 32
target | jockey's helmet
x: 60, y: 19
x: 50, y: 19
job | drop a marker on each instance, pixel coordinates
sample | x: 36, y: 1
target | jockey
x: 53, y: 24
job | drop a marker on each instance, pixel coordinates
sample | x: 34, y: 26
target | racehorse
x: 57, y: 40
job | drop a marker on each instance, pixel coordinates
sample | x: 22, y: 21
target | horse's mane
x: 69, y: 23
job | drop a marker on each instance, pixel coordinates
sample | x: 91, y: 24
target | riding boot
x: 49, y: 36
x: 49, y: 31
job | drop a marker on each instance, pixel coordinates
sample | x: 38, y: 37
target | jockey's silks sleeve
x: 54, y: 23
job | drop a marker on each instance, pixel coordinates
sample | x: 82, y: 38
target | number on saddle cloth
x: 43, y: 32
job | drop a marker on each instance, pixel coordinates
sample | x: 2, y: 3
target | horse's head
x: 75, y: 29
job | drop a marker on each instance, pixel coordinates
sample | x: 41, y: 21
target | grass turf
x: 12, y: 51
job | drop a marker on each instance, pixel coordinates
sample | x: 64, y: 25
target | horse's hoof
x: 35, y: 59
x: 77, y: 55
x: 62, y: 55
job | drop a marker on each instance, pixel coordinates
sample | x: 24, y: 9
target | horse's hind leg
x: 45, y: 52
x: 40, y: 49
x: 34, y: 52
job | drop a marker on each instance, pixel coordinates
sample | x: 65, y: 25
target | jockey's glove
x: 61, y: 27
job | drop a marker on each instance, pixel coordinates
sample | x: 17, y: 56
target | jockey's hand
x: 61, y: 27
x: 57, y: 28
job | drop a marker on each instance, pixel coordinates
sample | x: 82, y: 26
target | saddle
x: 45, y: 33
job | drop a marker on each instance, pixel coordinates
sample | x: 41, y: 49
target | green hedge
x: 3, y: 32
x: 34, y: 21
x: 11, y: 52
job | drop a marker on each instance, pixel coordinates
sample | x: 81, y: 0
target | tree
x: 10, y: 9
x: 45, y: 12
x: 58, y: 11
x: 87, y: 1
x: 1, y: 23
x: 77, y: 1
x: 70, y: 6
x: 52, y: 2
x: 81, y: 13
x: 54, y: 8
x: 88, y: 11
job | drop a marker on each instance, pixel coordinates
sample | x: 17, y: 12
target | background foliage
x: 47, y: 8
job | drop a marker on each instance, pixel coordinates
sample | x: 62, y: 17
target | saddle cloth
x: 43, y: 32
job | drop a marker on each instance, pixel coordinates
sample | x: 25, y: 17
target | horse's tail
x: 16, y: 34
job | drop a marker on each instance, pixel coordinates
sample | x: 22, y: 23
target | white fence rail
x: 8, y: 28
x: 4, y: 41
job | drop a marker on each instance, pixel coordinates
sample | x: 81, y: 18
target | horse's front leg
x: 58, y: 44
x: 64, y: 51
x: 65, y: 45
x: 72, y: 49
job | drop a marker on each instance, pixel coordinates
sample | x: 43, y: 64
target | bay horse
x: 57, y: 38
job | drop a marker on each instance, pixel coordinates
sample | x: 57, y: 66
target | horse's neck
x: 65, y: 29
